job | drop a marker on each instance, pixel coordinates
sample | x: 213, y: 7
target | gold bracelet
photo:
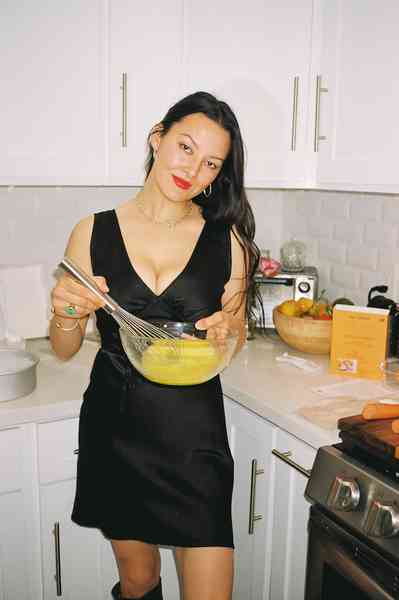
x: 59, y: 326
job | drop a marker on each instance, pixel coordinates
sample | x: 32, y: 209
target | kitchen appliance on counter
x: 380, y: 301
x: 353, y: 548
x: 285, y: 286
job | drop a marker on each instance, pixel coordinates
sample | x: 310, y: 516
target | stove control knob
x: 344, y: 494
x: 382, y: 519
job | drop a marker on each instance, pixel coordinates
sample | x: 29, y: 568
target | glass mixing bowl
x: 390, y: 368
x: 187, y: 360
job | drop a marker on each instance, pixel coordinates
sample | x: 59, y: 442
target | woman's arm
x: 67, y: 331
x: 231, y: 319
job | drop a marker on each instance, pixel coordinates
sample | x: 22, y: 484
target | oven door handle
x: 354, y: 573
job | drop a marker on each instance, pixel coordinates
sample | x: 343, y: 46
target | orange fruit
x: 304, y: 305
x: 289, y: 308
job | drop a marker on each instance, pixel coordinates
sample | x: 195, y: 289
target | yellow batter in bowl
x: 179, y: 361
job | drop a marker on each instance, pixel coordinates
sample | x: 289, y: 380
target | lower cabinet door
x: 292, y: 461
x: 15, y: 583
x: 74, y: 558
x: 251, y: 442
x: 78, y: 562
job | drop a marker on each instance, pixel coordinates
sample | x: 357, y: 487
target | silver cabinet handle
x: 76, y: 451
x: 294, y: 114
x: 285, y: 457
x: 57, y: 576
x: 317, y: 136
x: 252, y: 516
x: 124, y: 110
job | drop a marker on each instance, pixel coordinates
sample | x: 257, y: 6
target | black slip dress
x: 154, y: 461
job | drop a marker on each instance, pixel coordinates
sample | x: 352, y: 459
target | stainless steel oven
x: 353, y: 547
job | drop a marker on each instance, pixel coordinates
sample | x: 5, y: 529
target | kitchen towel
x: 24, y: 299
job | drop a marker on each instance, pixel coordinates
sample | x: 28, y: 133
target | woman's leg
x: 206, y: 573
x: 139, y: 566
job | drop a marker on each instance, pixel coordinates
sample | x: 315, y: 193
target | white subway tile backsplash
x: 344, y: 276
x: 320, y: 227
x: 362, y: 256
x: 267, y: 208
x: 351, y: 238
x: 390, y: 210
x: 381, y: 235
x: 334, y: 252
x: 348, y: 232
x: 354, y: 239
x: 365, y: 207
x: 334, y: 205
x: 308, y: 204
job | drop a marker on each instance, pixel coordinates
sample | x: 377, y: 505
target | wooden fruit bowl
x: 304, y: 334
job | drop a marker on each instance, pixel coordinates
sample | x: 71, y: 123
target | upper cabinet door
x: 52, y: 118
x: 145, y: 50
x: 358, y: 113
x: 256, y: 56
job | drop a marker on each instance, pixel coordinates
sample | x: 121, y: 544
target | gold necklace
x: 171, y: 223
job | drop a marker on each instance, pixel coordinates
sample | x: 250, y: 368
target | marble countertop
x: 274, y: 390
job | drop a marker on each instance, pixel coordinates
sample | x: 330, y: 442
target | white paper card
x: 24, y: 300
x: 360, y: 389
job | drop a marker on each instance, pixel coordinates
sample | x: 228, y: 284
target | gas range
x: 360, y: 492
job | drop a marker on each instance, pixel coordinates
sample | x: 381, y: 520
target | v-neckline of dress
x: 176, y: 278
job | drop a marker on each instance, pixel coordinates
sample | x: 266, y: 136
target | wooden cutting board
x: 376, y: 435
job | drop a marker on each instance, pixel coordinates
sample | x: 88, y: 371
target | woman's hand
x: 221, y: 324
x: 71, y: 300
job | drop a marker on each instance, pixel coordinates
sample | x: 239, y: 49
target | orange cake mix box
x: 358, y: 341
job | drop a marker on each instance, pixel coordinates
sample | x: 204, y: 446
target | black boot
x: 155, y: 594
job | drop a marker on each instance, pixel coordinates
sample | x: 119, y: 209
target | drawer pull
x: 252, y: 516
x: 76, y: 451
x: 124, y: 110
x: 57, y: 576
x: 294, y: 114
x: 317, y: 136
x: 285, y: 457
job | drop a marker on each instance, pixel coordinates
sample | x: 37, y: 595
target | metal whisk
x: 131, y: 324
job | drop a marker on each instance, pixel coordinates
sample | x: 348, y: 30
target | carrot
x: 395, y: 426
x: 380, y: 411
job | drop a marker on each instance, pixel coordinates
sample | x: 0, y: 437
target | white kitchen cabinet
x: 253, y: 56
x: 77, y: 562
x: 145, y: 78
x: 292, y: 461
x: 19, y: 572
x: 251, y: 441
x: 358, y: 113
x: 52, y: 109
x: 73, y: 558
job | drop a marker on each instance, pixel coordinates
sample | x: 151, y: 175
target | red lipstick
x: 181, y: 183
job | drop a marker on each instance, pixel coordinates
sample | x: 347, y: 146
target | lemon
x: 289, y: 308
x: 304, y: 305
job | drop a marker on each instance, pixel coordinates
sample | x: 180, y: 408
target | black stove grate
x: 370, y: 456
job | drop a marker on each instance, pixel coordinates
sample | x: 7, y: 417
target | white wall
x: 352, y: 238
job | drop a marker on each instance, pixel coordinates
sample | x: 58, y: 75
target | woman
x: 154, y: 462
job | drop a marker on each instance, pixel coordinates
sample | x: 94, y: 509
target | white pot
x: 17, y: 373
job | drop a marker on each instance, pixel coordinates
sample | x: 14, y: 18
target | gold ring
x: 70, y: 310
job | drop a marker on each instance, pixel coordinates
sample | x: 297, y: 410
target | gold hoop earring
x: 207, y: 191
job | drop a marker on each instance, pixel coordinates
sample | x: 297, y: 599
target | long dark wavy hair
x: 228, y: 202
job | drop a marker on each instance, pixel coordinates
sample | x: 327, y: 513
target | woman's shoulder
x: 83, y: 229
